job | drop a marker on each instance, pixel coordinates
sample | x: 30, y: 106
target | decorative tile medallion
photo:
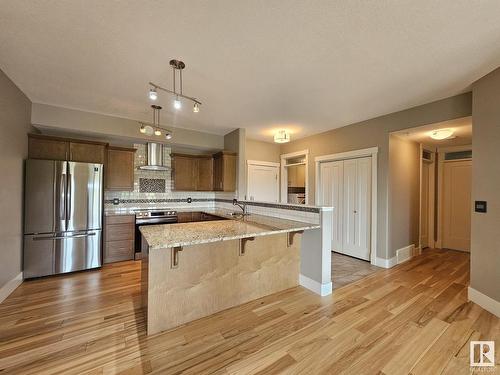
x: 151, y: 185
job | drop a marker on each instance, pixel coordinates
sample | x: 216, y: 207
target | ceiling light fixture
x: 153, y: 94
x: 177, y: 67
x: 155, y: 128
x: 442, y: 134
x: 282, y: 136
x: 177, y: 103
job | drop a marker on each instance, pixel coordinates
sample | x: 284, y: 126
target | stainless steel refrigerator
x: 62, y: 217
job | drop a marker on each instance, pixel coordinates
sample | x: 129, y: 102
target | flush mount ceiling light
x: 155, y: 128
x: 282, y: 136
x: 177, y: 67
x: 441, y: 134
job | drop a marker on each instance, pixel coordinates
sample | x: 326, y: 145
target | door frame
x: 431, y: 197
x: 366, y: 152
x: 284, y: 174
x: 441, y: 151
x: 265, y: 164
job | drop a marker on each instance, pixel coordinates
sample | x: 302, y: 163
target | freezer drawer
x: 60, y: 253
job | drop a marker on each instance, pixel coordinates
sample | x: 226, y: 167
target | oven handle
x: 155, y: 221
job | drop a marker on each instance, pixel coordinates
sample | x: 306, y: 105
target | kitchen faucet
x: 243, y: 206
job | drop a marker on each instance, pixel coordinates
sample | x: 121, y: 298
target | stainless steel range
x: 151, y: 217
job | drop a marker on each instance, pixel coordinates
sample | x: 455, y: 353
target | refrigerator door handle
x: 62, y: 203
x: 70, y: 196
x: 63, y: 237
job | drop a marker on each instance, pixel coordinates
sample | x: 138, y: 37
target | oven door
x: 152, y: 221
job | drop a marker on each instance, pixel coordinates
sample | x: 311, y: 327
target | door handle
x: 62, y: 203
x: 63, y: 237
x: 69, y: 196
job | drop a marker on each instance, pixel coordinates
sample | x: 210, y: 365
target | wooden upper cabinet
x: 120, y: 168
x: 87, y: 152
x: 225, y: 171
x: 56, y: 148
x: 183, y: 172
x: 205, y: 174
x: 48, y: 148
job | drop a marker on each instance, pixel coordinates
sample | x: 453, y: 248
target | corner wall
x: 404, y: 193
x: 485, y: 234
x: 375, y: 133
x: 15, y: 114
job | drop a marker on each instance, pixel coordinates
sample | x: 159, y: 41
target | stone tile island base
x: 200, y: 280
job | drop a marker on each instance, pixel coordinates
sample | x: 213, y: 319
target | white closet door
x: 263, y: 183
x: 331, y: 195
x: 357, y: 208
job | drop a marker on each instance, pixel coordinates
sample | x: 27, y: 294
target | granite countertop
x: 185, y: 234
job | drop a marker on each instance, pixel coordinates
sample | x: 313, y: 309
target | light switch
x: 480, y: 206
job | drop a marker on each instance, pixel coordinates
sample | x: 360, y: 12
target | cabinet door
x: 184, y: 217
x: 217, y: 170
x: 184, y: 177
x: 87, y: 152
x: 229, y: 173
x: 205, y: 174
x: 48, y: 149
x: 120, y: 169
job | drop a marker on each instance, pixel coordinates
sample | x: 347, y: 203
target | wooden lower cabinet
x: 119, y: 238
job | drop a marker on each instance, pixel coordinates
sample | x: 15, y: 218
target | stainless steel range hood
x: 154, y: 160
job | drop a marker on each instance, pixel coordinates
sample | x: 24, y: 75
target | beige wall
x: 485, y: 235
x: 236, y: 142
x: 51, y: 118
x: 404, y: 193
x: 262, y: 151
x: 15, y: 112
x: 375, y: 132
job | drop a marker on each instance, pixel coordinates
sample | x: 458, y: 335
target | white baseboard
x: 10, y: 286
x: 316, y: 287
x: 385, y: 263
x: 406, y: 253
x: 484, y: 301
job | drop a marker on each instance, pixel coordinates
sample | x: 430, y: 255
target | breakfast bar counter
x: 192, y: 270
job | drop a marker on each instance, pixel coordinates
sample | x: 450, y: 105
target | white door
x: 357, y: 208
x: 457, y: 181
x: 424, y: 206
x: 331, y: 195
x: 263, y: 183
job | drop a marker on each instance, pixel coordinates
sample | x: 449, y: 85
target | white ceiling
x: 307, y: 66
x: 462, y: 135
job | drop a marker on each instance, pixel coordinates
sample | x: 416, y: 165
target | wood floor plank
x: 414, y: 318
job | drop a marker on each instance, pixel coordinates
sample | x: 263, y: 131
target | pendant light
x: 177, y: 68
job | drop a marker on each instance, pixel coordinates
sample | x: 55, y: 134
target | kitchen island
x: 192, y: 270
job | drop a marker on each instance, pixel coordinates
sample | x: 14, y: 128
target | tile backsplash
x: 152, y: 185
x: 153, y: 188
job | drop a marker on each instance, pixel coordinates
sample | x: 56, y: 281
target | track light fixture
x: 177, y: 103
x: 153, y: 94
x: 177, y: 67
x: 155, y: 128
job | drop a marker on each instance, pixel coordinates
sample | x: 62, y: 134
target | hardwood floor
x: 346, y: 270
x: 413, y: 318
